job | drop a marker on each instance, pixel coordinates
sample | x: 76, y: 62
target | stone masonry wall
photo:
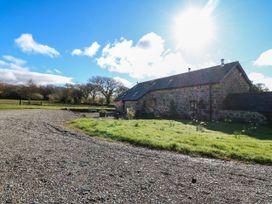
x: 131, y: 104
x: 241, y: 116
x: 160, y: 103
x: 234, y: 82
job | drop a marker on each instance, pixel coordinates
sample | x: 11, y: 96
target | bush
x: 130, y: 113
x: 101, y: 100
x: 102, y: 113
x: 37, y: 96
x: 200, y: 128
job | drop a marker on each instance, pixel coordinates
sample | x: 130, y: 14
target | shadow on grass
x: 173, y: 147
x: 262, y: 132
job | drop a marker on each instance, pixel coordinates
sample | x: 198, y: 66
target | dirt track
x: 40, y: 162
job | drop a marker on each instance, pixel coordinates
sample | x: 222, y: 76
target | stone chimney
x: 189, y: 69
x: 222, y: 63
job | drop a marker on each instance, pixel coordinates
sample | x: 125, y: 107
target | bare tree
x: 121, y: 90
x: 2, y: 88
x: 98, y: 88
x: 26, y: 91
x: 92, y: 90
x: 107, y: 86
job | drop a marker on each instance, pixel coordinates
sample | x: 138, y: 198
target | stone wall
x: 234, y: 82
x: 119, y: 106
x: 240, y: 116
x: 130, y: 104
x: 164, y: 103
x: 190, y: 102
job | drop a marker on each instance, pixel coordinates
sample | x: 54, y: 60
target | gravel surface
x: 41, y: 162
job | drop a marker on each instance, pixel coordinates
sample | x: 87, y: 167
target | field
x: 243, y: 142
x: 14, y: 104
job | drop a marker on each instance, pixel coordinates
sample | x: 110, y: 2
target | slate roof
x: 209, y: 75
x: 258, y: 102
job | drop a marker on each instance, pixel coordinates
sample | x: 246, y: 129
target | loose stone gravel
x: 41, y: 162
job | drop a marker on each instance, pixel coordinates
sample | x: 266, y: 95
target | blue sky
x: 55, y: 42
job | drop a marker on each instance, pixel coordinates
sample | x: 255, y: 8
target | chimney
x: 189, y: 69
x: 222, y: 63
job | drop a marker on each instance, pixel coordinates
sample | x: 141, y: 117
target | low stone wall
x: 240, y: 116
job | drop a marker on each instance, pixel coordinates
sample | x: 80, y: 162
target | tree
x: 2, y: 88
x: 107, y: 86
x: 92, y: 90
x: 77, y: 93
x: 259, y: 88
x: 31, y: 88
x: 47, y: 91
x: 27, y: 90
x: 37, y: 96
x: 67, y: 94
x: 122, y: 89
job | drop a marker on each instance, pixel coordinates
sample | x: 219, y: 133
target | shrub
x: 116, y: 115
x: 130, y: 113
x: 37, y: 96
x: 227, y: 120
x: 102, y: 113
x: 200, y: 128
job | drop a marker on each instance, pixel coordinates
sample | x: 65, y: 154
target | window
x: 201, y: 104
x: 193, y: 105
x: 154, y: 101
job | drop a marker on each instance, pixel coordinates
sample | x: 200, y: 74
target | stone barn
x: 199, y: 94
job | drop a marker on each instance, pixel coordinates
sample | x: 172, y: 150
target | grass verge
x: 6, y: 104
x: 216, y: 140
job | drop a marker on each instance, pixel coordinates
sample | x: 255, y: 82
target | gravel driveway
x: 40, y: 162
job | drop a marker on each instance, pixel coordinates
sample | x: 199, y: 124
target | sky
x: 69, y: 41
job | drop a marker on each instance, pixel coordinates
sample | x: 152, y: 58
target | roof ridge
x: 203, y: 76
x: 187, y: 72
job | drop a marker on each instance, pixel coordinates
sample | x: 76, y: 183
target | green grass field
x: 241, y: 142
x: 14, y: 104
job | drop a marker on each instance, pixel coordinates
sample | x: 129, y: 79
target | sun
x: 193, y: 29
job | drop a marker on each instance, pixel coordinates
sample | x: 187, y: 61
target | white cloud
x: 12, y: 63
x: 87, y: 51
x: 18, y: 74
x: 29, y: 45
x: 21, y: 77
x: 2, y: 63
x: 57, y: 71
x: 14, y: 60
x: 265, y: 59
x: 124, y: 81
x: 53, y: 71
x: 261, y: 78
x: 145, y: 59
x: 77, y: 52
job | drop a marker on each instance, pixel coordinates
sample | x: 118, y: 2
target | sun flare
x: 193, y: 29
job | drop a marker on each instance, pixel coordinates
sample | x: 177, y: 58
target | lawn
x: 243, y: 142
x: 14, y: 104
